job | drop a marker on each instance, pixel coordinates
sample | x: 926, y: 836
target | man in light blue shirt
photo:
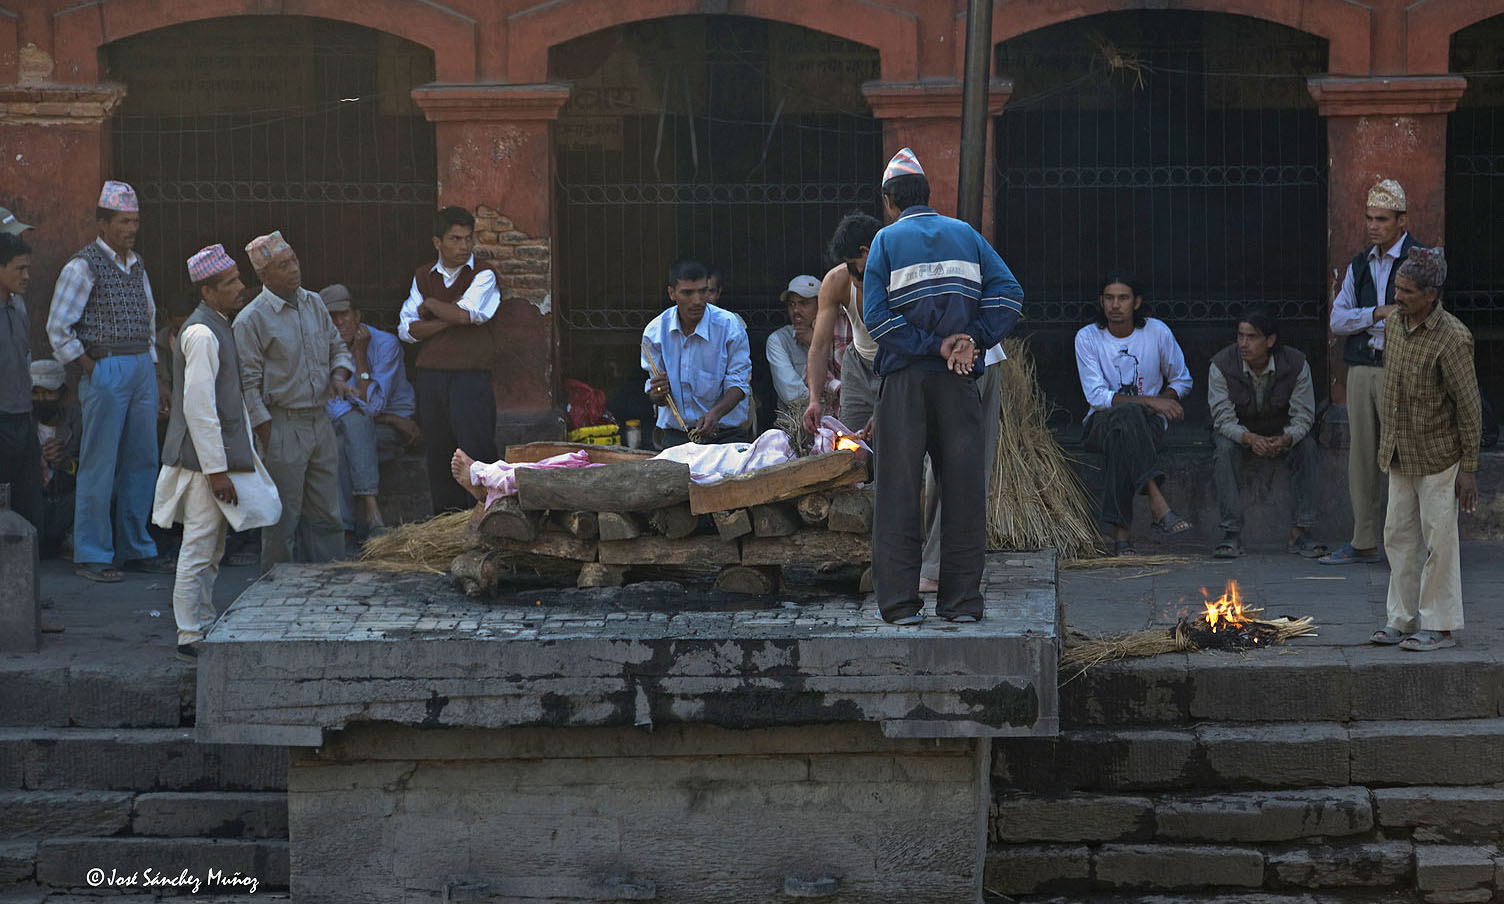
x: 376, y: 423
x: 699, y: 361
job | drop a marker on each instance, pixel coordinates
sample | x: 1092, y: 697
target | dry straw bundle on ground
x: 1035, y: 500
x: 422, y: 546
x: 1081, y: 651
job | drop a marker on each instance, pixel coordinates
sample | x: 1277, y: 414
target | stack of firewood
x: 598, y: 523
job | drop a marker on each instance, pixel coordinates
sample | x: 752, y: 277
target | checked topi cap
x: 904, y: 163
x: 265, y: 247
x: 119, y: 196
x: 208, y: 262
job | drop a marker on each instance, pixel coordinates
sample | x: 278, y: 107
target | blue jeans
x: 363, y: 446
x: 117, y: 461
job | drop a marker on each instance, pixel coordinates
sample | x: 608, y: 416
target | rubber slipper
x: 1229, y: 548
x: 1123, y: 548
x: 1387, y: 636
x: 1171, y: 524
x: 1306, y: 546
x: 1426, y: 641
x: 103, y: 574
x: 1347, y: 555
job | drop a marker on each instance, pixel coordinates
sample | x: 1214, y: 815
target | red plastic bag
x: 587, y: 405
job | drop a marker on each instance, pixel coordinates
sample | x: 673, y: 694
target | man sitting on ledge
x: 697, y: 356
x: 1263, y: 403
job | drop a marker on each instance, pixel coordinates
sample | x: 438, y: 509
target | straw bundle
x: 1034, y: 499
x: 1081, y: 651
x: 1142, y: 561
x: 421, y: 546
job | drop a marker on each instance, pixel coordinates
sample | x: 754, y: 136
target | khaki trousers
x: 203, y: 546
x: 1420, y: 535
x: 1365, y: 399
x: 302, y: 456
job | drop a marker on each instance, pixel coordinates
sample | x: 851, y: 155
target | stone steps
x: 1372, y: 896
x: 159, y: 695
x: 137, y: 759
x: 205, y: 814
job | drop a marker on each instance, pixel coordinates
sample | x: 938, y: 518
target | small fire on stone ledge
x: 1228, y: 624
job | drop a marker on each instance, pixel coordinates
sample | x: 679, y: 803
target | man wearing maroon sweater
x: 449, y: 311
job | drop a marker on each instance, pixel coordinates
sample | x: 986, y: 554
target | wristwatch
x: 365, y: 376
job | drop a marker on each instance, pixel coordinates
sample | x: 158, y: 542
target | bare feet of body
x: 459, y: 467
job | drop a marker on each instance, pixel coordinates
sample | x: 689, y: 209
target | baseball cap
x: 806, y: 286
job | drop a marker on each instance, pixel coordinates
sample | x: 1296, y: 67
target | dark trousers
x: 21, y: 466
x: 939, y: 413
x: 1228, y: 458
x: 1129, y: 438
x: 667, y: 438
x: 457, y: 410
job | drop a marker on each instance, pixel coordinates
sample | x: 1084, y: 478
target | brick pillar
x: 55, y: 141
x: 1381, y: 128
x: 926, y: 116
x: 496, y: 158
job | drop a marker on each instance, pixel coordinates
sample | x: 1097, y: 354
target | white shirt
x: 1347, y: 319
x: 481, y: 300
x: 1142, y: 363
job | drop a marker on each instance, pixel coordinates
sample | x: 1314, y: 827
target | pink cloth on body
x: 500, y: 477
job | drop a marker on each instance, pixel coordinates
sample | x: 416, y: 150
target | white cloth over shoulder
x: 709, y: 463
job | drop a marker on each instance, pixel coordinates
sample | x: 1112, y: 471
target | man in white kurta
x: 211, y: 476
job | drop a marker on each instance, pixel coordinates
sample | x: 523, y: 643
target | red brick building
x: 1221, y: 148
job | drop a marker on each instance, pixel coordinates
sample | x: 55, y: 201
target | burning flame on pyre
x: 847, y: 443
x: 1226, y: 612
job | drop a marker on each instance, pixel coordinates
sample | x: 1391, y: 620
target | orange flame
x: 1226, y: 611
x: 847, y: 443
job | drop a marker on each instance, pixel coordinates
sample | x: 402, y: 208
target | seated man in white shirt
x: 788, y: 349
x: 1263, y: 403
x: 1133, y: 375
x: 699, y: 364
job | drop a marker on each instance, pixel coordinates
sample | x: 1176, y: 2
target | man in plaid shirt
x: 1428, y: 444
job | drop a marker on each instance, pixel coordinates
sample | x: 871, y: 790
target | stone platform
x: 634, y: 744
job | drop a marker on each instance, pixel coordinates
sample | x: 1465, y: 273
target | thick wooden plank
x: 733, y: 524
x: 778, y: 519
x: 638, y: 486
x: 810, y: 546
x: 651, y: 550
x: 675, y: 522
x: 601, y: 455
x: 553, y: 544
x: 749, y: 579
x: 506, y: 520
x: 814, y: 508
x: 778, y: 483
x: 618, y: 525
x: 851, y: 511
x: 477, y: 571
x: 594, y: 574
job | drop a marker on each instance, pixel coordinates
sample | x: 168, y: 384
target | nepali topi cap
x: 1427, y: 267
x: 47, y: 374
x: 119, y: 196
x: 904, y: 163
x: 210, y: 261
x: 805, y: 286
x: 1387, y: 195
x: 336, y: 298
x: 264, y: 248
x: 9, y: 223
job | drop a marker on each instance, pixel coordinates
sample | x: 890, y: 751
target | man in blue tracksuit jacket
x: 935, y: 295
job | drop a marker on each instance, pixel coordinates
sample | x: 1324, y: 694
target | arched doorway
x: 736, y: 141
x: 1475, y: 196
x: 1182, y: 147
x: 233, y: 127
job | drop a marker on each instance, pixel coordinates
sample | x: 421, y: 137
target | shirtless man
x: 842, y: 288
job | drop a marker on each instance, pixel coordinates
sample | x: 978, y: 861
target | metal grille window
x: 234, y: 127
x: 1179, y: 147
x: 734, y: 141
x: 1475, y: 196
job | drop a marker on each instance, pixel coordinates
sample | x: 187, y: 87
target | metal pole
x: 974, y: 112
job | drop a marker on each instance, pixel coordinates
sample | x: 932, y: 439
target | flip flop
x: 1306, y: 546
x: 1170, y: 524
x: 103, y: 574
x: 1426, y: 642
x: 1231, y: 547
x: 1347, y: 555
x: 1387, y: 636
x: 1123, y: 548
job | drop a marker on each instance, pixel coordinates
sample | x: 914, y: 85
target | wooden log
x: 651, y: 550
x: 553, y: 544
x: 732, y: 524
x: 777, y: 483
x: 506, y: 520
x: 851, y: 511
x: 639, y: 486
x: 749, y: 578
x: 865, y: 585
x: 601, y: 455
x: 675, y: 522
x: 477, y: 571
x: 618, y: 526
x: 778, y: 519
x: 814, y: 508
x: 810, y: 546
x: 584, y: 525
x: 594, y: 574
